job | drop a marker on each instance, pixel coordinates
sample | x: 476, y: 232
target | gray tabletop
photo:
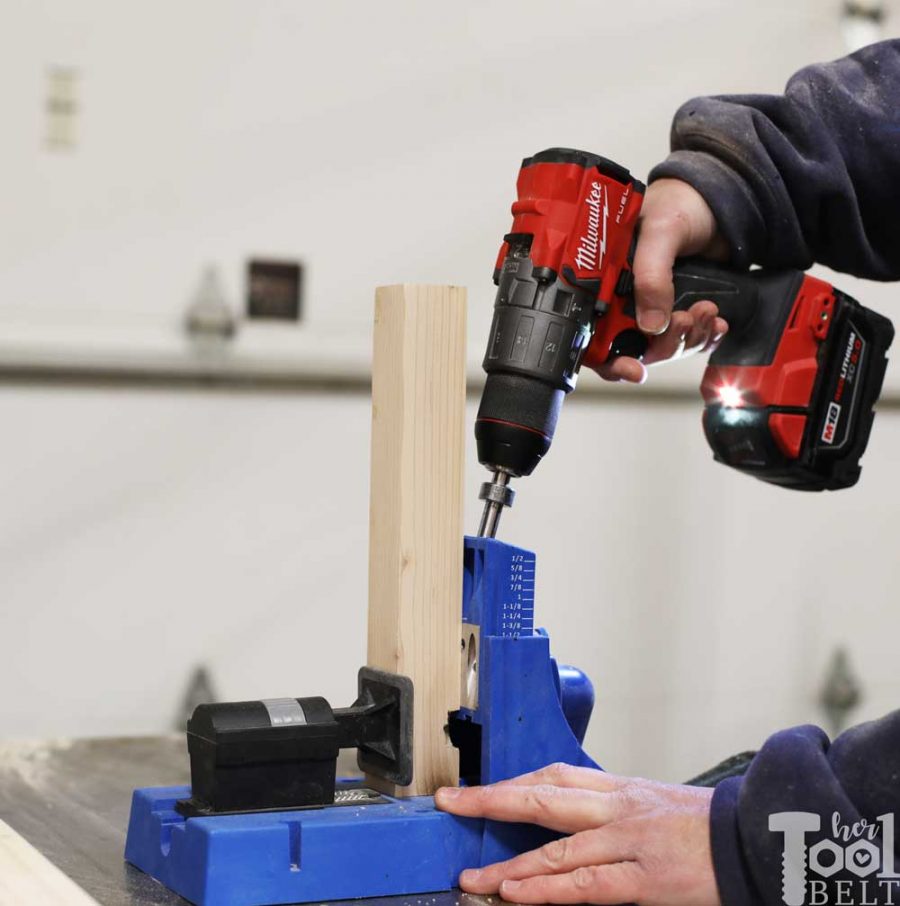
x: 70, y: 800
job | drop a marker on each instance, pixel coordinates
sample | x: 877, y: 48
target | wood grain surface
x: 416, y: 512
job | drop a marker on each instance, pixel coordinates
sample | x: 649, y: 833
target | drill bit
x: 496, y: 494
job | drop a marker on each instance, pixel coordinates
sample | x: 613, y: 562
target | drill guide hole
x: 471, y: 668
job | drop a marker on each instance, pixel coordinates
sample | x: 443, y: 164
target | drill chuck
x: 513, y: 430
x: 516, y: 422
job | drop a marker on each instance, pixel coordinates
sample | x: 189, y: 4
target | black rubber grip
x: 736, y: 293
x: 756, y: 304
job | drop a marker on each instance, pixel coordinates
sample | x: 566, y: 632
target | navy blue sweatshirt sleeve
x: 811, y: 175
x: 840, y: 783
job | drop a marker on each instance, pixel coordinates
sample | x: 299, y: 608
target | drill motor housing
x: 788, y: 394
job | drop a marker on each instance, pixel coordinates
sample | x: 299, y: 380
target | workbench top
x: 70, y: 799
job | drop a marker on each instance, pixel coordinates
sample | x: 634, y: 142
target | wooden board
x: 28, y: 877
x: 416, y: 511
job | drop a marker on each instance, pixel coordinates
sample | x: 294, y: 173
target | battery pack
x: 818, y: 444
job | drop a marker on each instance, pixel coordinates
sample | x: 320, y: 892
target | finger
x: 659, y: 241
x: 704, y: 310
x: 671, y: 344
x: 701, y: 330
x: 720, y: 328
x: 623, y: 368
x: 556, y: 808
x: 594, y: 847
x: 602, y: 884
x: 573, y: 777
x: 703, y: 315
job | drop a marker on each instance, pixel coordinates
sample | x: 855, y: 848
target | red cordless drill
x: 788, y: 394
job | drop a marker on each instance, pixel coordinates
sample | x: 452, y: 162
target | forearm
x: 836, y: 786
x: 812, y: 175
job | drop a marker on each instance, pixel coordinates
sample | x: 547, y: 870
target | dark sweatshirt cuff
x: 728, y: 195
x: 732, y: 874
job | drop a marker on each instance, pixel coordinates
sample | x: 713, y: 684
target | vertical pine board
x: 416, y: 511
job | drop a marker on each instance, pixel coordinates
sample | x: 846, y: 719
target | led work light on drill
x: 788, y: 394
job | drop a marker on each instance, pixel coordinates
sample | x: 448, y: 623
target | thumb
x: 659, y: 243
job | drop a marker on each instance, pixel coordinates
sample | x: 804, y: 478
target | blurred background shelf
x: 273, y: 359
x: 262, y: 356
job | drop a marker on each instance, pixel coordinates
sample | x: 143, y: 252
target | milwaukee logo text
x: 592, y: 245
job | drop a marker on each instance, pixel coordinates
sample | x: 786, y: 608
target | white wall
x: 146, y: 532
x: 142, y: 532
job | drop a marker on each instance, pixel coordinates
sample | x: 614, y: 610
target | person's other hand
x: 632, y: 840
x: 675, y: 221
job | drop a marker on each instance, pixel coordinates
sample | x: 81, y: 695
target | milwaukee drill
x: 788, y: 393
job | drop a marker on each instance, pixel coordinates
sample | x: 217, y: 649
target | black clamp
x: 282, y: 753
